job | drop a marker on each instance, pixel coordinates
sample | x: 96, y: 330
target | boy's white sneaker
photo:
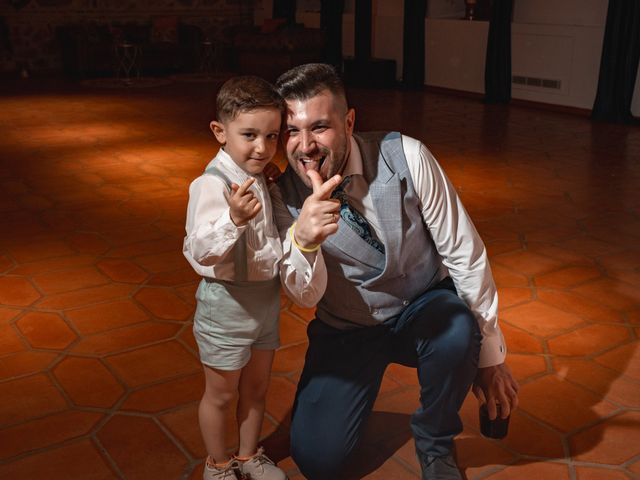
x: 260, y: 467
x: 227, y: 472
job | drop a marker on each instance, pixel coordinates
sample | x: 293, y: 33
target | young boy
x: 233, y: 244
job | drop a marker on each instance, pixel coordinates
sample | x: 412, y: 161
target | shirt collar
x: 225, y: 160
x: 354, y: 162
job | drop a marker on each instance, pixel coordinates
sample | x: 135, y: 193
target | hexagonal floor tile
x: 86, y: 296
x: 562, y: 404
x: 46, y: 431
x: 289, y: 359
x: 46, y: 330
x: 615, y: 440
x: 292, y: 330
x: 624, y: 359
x: 527, y: 436
x: 166, y: 395
x: 525, y: 366
x: 540, y: 319
x: 611, y: 292
x: 67, y: 280
x: 567, y: 277
x: 527, y: 262
x: 588, y: 340
x: 76, y: 461
x: 106, y: 316
x: 7, y: 314
x: 162, y: 262
x: 88, y: 382
x: 141, y: 449
x: 505, y: 277
x: 604, y: 381
x: 31, y: 252
x: 585, y: 308
x: 306, y: 314
x: 29, y: 397
x: 173, y: 277
x: 5, y: 263
x: 53, y: 264
x: 477, y: 454
x: 510, y: 296
x: 183, y: 423
x: 121, y: 270
x: 532, y: 470
x: 25, y: 363
x: 17, y: 291
x: 280, y: 396
x: 118, y: 339
x: 164, y: 303
x: 9, y: 340
x: 520, y: 341
x: 595, y: 473
x: 634, y: 468
x: 151, y: 364
x: 91, y: 243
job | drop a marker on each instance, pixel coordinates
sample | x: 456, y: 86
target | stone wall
x: 31, y: 24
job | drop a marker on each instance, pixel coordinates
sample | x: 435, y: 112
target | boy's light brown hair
x: 246, y: 93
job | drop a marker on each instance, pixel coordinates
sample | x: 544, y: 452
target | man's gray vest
x: 366, y: 287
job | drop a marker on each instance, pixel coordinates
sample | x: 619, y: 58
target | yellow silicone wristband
x: 298, y: 246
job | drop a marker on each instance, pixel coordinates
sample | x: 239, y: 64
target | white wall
x: 564, y: 12
x: 557, y: 40
x: 388, y: 18
x: 550, y: 40
x: 445, y: 9
x: 455, y: 53
x: 570, y: 54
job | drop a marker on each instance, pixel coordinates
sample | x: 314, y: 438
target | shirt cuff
x: 230, y: 230
x: 302, y: 261
x: 493, y: 350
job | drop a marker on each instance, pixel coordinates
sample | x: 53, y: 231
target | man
x: 407, y: 281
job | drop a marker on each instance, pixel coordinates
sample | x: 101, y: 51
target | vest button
x: 405, y: 302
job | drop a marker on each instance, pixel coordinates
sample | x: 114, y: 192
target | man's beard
x: 337, y: 160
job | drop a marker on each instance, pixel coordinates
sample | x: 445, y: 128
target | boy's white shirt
x: 211, y: 235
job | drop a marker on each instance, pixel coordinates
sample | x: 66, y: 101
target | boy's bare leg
x: 220, y: 389
x: 254, y: 382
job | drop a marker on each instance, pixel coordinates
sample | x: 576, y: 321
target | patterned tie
x: 353, y: 218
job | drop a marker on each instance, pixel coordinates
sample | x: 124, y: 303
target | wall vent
x: 536, y: 82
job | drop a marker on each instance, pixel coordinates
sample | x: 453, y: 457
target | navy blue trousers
x: 437, y: 334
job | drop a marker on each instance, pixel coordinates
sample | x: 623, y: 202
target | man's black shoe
x: 439, y: 468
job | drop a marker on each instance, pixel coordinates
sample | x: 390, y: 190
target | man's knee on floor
x: 317, y: 462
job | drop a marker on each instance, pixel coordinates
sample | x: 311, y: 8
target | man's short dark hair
x: 306, y: 81
x: 244, y: 94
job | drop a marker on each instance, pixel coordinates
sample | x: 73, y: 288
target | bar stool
x: 127, y: 61
x: 207, y: 58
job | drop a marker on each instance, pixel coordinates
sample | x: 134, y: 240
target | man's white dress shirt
x: 464, y: 256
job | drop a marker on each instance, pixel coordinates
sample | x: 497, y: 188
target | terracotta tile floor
x: 99, y: 376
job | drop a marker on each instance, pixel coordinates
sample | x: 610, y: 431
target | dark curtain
x: 331, y: 22
x: 6, y: 50
x: 497, y: 69
x: 285, y: 9
x: 619, y: 63
x: 413, y: 43
x: 362, y: 26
